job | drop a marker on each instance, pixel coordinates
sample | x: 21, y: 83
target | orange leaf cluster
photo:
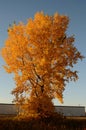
x: 41, y: 55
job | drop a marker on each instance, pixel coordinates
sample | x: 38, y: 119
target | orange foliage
x: 41, y: 56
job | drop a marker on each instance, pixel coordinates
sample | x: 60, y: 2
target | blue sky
x: 21, y: 10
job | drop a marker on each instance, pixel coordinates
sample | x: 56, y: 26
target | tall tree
x: 41, y: 56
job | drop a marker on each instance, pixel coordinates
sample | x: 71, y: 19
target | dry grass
x: 77, y: 117
x: 52, y: 122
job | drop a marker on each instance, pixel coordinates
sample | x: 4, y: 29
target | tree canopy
x: 41, y: 55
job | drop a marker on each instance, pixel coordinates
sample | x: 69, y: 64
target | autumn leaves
x: 41, y: 55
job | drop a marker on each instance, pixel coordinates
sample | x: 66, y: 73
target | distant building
x: 12, y: 109
x: 8, y: 109
x: 71, y: 110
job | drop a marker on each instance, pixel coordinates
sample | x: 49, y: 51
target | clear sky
x: 21, y: 10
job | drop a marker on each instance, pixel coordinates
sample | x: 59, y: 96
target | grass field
x: 53, y: 122
x: 77, y: 117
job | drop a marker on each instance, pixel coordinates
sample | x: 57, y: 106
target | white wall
x: 65, y: 110
x: 8, y: 109
x: 71, y: 110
